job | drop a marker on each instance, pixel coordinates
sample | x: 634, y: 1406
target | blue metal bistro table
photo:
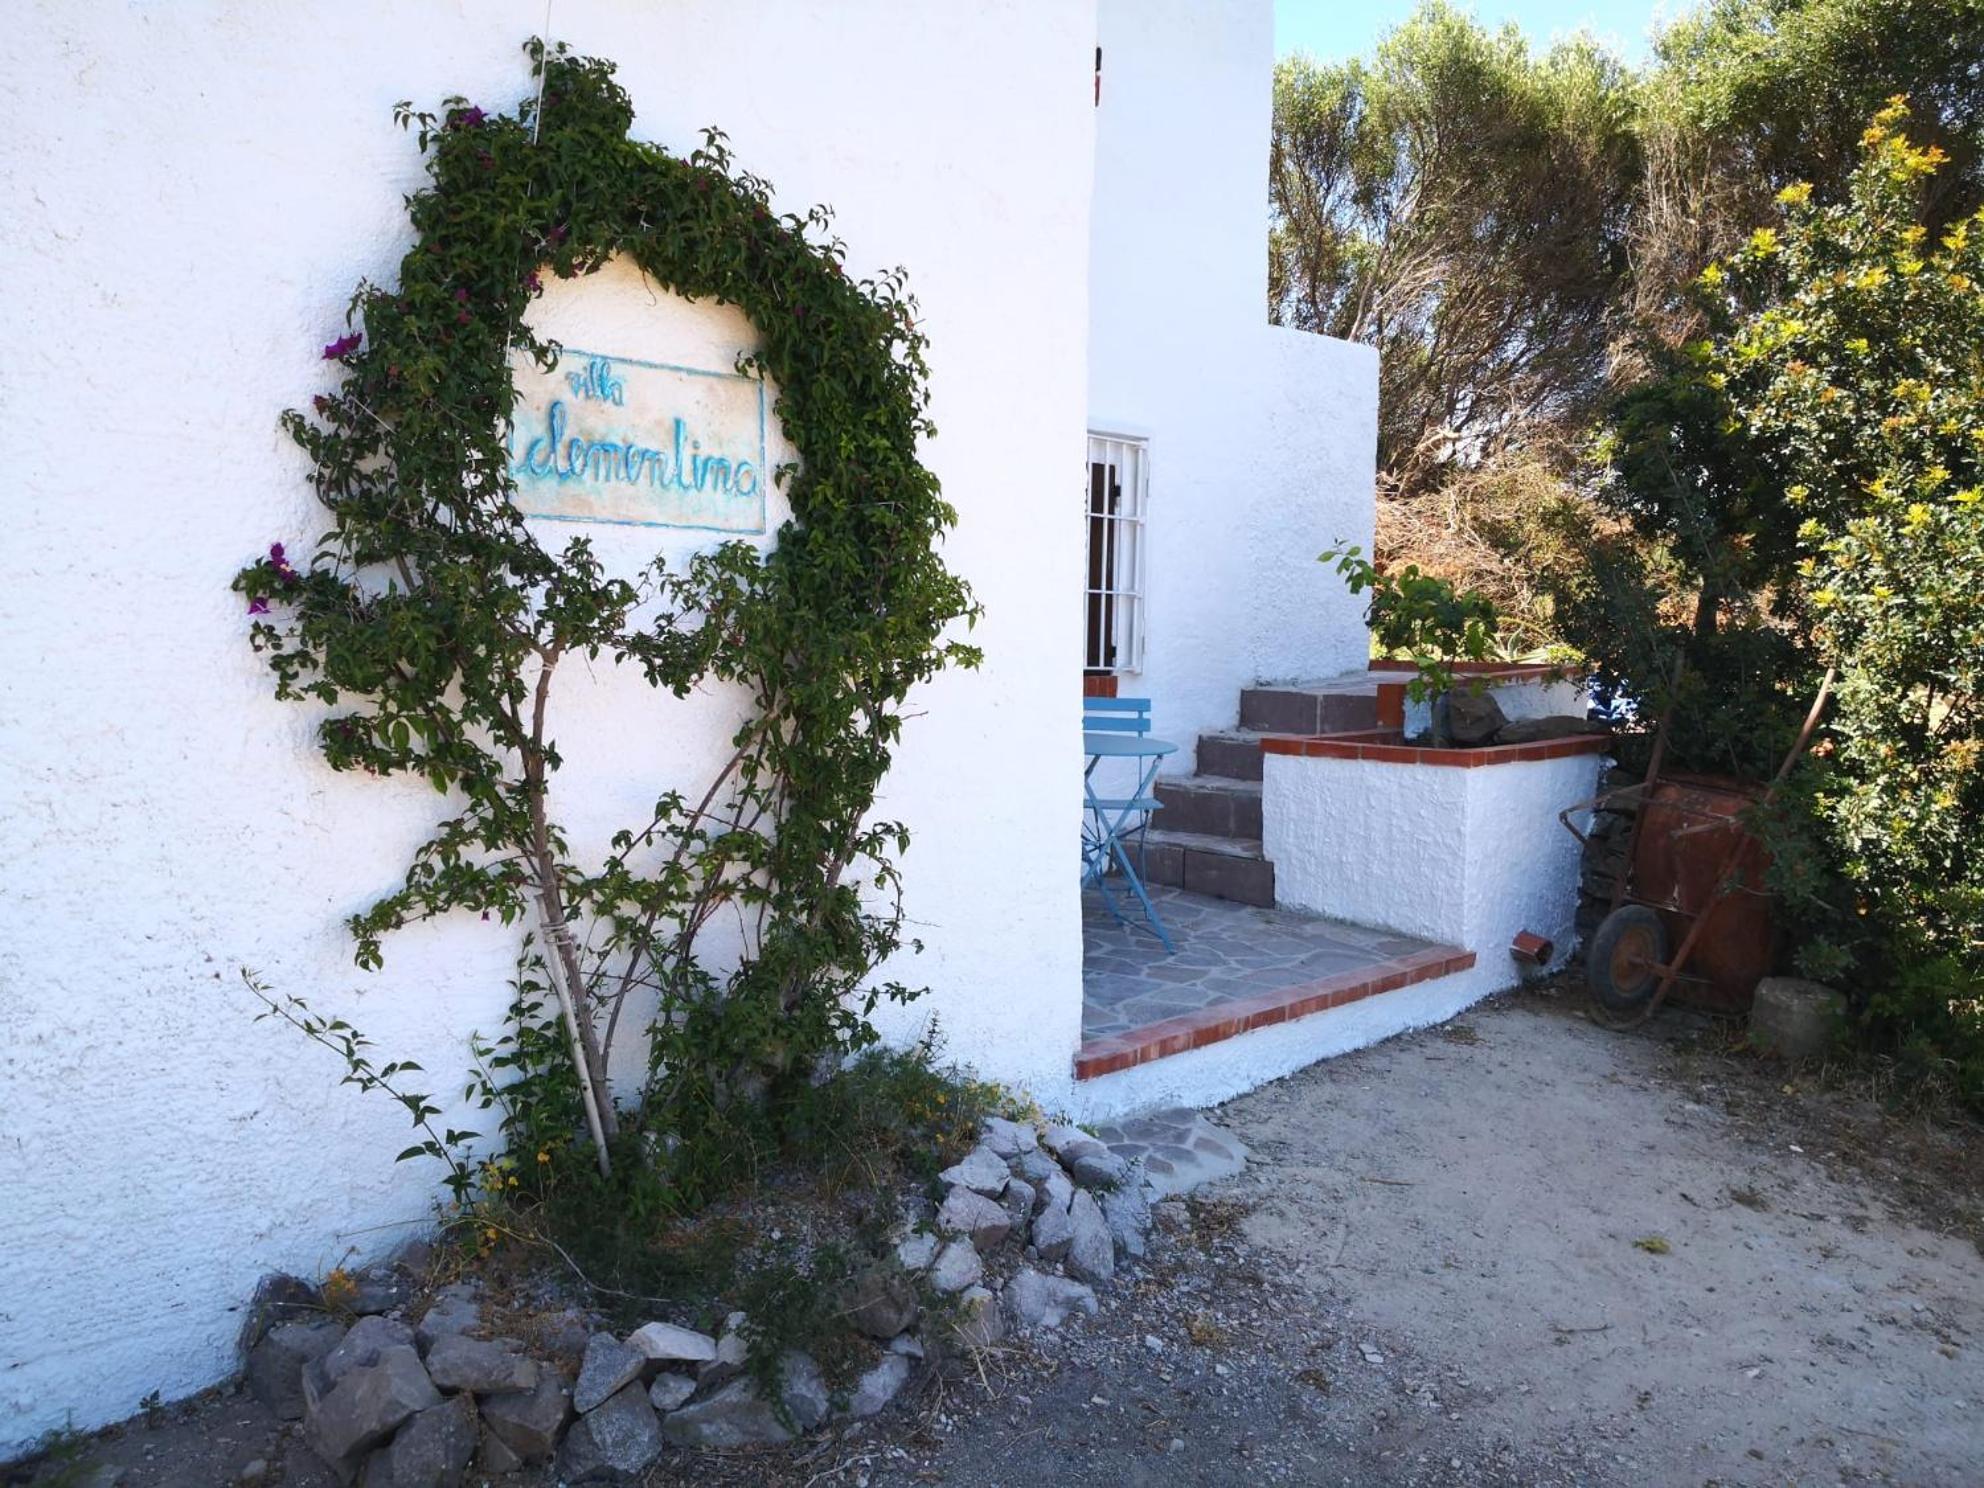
x: 1110, y: 823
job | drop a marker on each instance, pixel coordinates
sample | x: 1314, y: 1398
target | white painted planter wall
x: 1462, y: 857
x: 1465, y: 857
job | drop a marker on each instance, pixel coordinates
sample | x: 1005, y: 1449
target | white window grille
x: 1118, y: 493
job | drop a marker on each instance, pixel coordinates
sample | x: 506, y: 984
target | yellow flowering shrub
x: 1872, y: 431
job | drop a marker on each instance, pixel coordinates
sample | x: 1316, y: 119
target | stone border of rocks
x: 1032, y: 1221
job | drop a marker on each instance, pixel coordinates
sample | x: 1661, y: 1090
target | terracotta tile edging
x: 1387, y: 746
x: 1154, y: 1041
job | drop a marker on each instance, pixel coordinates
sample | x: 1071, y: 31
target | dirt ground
x: 1516, y: 1249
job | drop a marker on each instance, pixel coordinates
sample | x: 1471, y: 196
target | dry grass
x: 1484, y: 530
x: 1215, y: 1220
x: 1204, y: 1330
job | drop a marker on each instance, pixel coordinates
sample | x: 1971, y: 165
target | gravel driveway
x: 1518, y: 1249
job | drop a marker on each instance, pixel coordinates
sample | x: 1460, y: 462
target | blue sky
x: 1335, y: 29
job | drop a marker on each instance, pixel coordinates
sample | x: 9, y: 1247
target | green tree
x: 1785, y: 87
x: 1460, y: 204
x: 1809, y: 474
x: 1749, y: 96
x: 1850, y: 350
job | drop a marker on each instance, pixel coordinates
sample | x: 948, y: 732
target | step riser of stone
x: 1213, y: 810
x: 1216, y: 875
x: 1234, y: 759
x: 1278, y: 710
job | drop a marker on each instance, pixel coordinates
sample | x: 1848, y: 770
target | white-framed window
x: 1118, y: 493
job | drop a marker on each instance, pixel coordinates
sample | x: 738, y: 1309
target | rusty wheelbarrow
x: 1693, y: 879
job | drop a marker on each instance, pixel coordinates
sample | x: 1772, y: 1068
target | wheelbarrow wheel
x: 1622, y: 966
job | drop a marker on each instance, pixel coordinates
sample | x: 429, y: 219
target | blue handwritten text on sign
x: 604, y: 438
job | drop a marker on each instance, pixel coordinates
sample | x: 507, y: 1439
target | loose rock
x: 1794, y: 1018
x: 1472, y: 717
x: 1034, y: 1300
x: 805, y: 1391
x: 978, y: 1324
x: 1018, y: 1199
x: 879, y: 1386
x: 368, y: 1337
x: 614, y: 1442
x: 1009, y: 1139
x: 968, y: 1213
x: 982, y: 1171
x: 378, y: 1289
x: 609, y: 1365
x: 277, y: 1362
x: 731, y: 1353
x: 280, y: 1298
x: 1036, y: 1167
x: 367, y: 1405
x: 455, y: 1310
x: 432, y: 1450
x: 1126, y: 1210
x: 565, y: 1334
x: 529, y: 1421
x: 736, y: 1416
x: 1053, y: 1232
x: 486, y: 1367
x: 497, y: 1456
x: 881, y: 1303
x: 958, y: 1266
x: 1069, y: 1142
x: 1100, y: 1169
x: 916, y: 1252
x: 1091, y: 1250
x: 669, y: 1344
x: 669, y: 1391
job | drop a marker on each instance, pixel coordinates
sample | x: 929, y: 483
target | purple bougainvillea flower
x: 258, y: 607
x: 342, y: 346
x: 461, y: 296
x: 532, y: 283
x: 558, y: 234
x: 468, y: 118
x: 276, y: 554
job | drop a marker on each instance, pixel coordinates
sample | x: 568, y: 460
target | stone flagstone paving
x: 1226, y: 951
x: 1180, y: 1149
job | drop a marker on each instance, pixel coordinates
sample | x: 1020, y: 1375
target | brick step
x: 1218, y: 867
x: 1211, y: 804
x: 1319, y: 709
x: 1232, y: 755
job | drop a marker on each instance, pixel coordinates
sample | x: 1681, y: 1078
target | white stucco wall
x: 194, y: 191
x: 1262, y: 440
x: 1464, y: 857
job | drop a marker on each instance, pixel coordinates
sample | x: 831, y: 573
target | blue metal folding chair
x: 1120, y: 728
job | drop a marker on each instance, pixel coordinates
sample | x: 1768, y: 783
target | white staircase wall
x: 1263, y: 440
